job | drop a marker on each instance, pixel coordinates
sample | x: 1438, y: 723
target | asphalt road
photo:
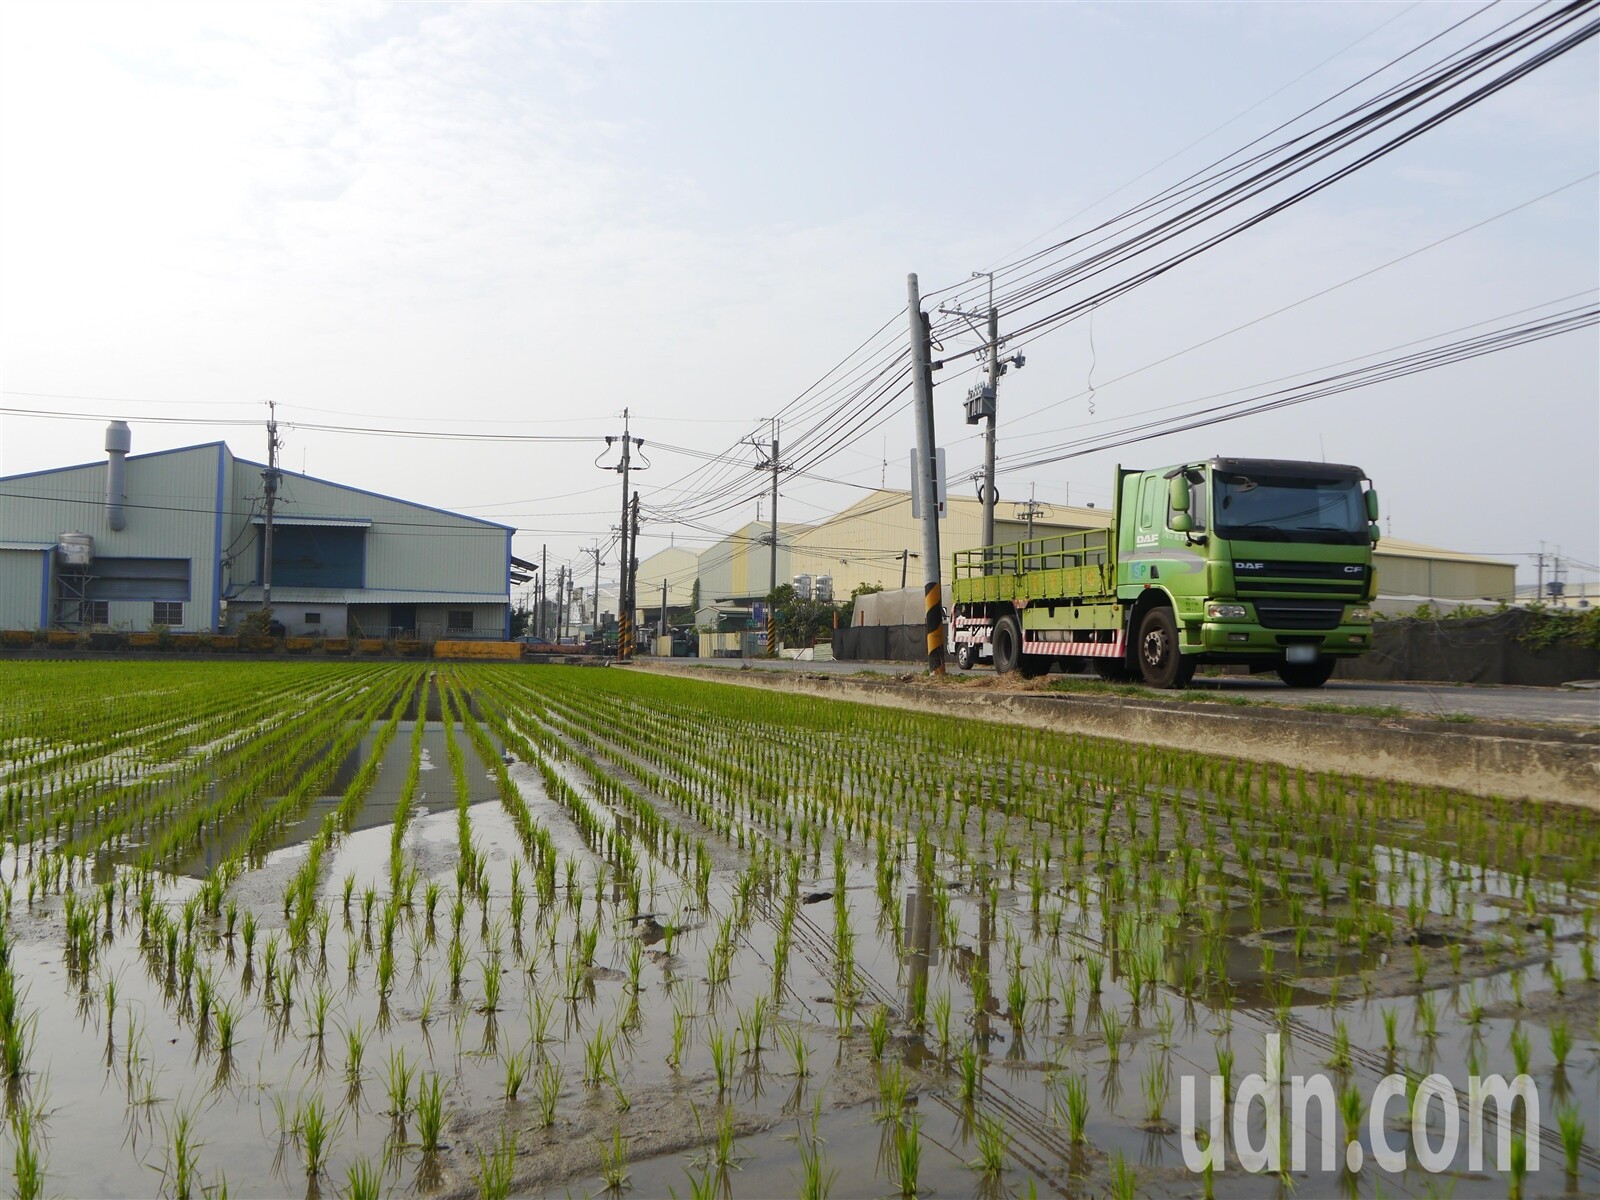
x: 1575, y: 706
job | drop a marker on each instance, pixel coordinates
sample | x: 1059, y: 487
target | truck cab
x: 1261, y: 562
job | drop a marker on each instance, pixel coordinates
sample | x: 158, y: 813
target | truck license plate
x: 1300, y: 654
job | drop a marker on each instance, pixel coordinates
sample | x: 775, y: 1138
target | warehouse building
x: 177, y: 539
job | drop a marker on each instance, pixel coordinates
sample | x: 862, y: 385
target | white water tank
x: 75, y: 549
x: 802, y: 586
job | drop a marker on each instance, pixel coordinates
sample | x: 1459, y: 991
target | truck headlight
x: 1225, y: 612
x: 1361, y: 614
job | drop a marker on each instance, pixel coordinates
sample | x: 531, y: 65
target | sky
x: 521, y: 219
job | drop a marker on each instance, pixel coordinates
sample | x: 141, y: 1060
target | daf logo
x: 1352, y: 570
x: 1247, y: 566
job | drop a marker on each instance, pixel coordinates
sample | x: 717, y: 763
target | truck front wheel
x: 967, y: 655
x: 1307, y: 675
x: 1159, y: 661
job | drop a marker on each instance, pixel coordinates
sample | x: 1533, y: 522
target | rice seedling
x: 1155, y: 1086
x: 362, y: 1181
x: 1521, y: 1049
x: 1077, y: 1108
x: 1350, y: 1110
x: 993, y: 1145
x: 1111, y: 1030
x: 816, y: 1176
x: 549, y: 1092
x: 970, y: 1073
x: 614, y: 1161
x: 908, y: 1155
x: 496, y: 1169
x: 878, y: 1032
x: 430, y: 1112
x: 516, y: 1070
x: 1569, y: 1124
x: 316, y: 1133
x: 721, y: 1048
x: 1124, y: 1180
x: 398, y: 1077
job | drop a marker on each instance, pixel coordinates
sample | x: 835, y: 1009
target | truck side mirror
x: 1372, y: 533
x: 1372, y: 505
x: 1178, y: 496
x: 1180, y: 522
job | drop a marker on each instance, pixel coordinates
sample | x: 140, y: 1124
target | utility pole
x: 904, y: 555
x: 662, y: 631
x: 989, y: 495
x: 1033, y: 510
x: 1539, y: 591
x: 629, y: 542
x: 594, y: 552
x: 561, y: 604
x: 269, y: 482
x: 544, y: 574
x: 772, y: 538
x: 633, y: 570
x: 922, y: 381
x: 981, y: 404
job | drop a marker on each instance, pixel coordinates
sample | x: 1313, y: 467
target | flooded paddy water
x: 349, y: 929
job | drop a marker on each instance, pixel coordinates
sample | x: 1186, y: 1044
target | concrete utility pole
x: 269, y: 482
x: 594, y: 552
x: 989, y: 494
x: 561, y: 604
x: 1033, y: 509
x: 633, y: 570
x: 629, y: 542
x: 662, y: 631
x: 544, y: 574
x: 772, y: 537
x: 922, y: 381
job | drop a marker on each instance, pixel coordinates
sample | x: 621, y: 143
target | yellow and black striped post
x: 772, y: 634
x: 624, y: 637
x: 933, y: 624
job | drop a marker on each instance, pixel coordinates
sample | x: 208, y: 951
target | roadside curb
x: 1515, y: 762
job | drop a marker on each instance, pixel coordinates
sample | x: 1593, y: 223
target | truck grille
x: 1254, y: 577
x: 1299, y: 614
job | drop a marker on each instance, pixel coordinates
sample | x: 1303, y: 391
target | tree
x: 521, y: 620
x: 800, y: 622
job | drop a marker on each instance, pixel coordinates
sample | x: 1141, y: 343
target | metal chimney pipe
x: 119, y: 439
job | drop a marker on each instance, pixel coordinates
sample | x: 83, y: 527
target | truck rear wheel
x: 1159, y: 660
x: 1006, y: 644
x: 1307, y: 675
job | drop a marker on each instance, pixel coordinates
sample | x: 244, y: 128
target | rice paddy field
x: 415, y: 929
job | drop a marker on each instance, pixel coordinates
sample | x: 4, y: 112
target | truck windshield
x: 1283, y: 509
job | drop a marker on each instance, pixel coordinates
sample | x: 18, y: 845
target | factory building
x: 177, y: 539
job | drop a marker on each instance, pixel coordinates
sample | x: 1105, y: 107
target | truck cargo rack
x: 1064, y: 564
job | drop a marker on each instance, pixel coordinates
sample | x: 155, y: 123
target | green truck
x: 1260, y: 562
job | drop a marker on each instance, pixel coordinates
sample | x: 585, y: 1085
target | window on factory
x: 96, y: 612
x: 459, y: 620
x: 316, y: 556
x: 169, y: 612
x: 313, y: 618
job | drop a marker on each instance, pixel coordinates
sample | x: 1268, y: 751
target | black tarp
x: 1486, y: 649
